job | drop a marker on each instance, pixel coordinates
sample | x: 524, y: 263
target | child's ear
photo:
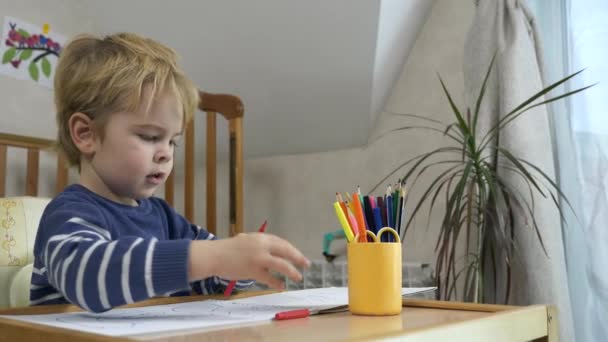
x: 82, y: 133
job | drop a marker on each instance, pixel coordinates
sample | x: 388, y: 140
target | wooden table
x: 420, y: 320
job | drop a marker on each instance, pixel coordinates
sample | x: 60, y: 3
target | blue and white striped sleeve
x: 214, y: 285
x: 92, y: 270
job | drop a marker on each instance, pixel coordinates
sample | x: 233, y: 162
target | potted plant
x: 478, y: 200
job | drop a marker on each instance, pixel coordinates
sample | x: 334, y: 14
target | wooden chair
x: 229, y: 106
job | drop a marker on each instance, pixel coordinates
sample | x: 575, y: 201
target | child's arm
x: 250, y: 256
x: 77, y: 255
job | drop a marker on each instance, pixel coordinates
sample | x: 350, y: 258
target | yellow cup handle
x: 369, y: 233
x: 391, y: 231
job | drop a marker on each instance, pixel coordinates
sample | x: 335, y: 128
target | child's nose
x: 163, y: 155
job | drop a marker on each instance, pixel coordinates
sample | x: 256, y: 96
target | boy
x: 122, y: 104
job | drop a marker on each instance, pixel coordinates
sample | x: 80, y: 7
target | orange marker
x: 360, y: 218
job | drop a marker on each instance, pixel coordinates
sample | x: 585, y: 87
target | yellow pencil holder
x: 374, y: 276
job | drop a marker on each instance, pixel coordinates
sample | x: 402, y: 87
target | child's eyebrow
x: 150, y: 126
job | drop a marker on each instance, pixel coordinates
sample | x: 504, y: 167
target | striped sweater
x: 99, y: 254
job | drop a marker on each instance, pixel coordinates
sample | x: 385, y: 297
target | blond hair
x: 100, y: 76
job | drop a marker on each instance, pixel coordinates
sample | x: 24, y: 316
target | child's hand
x: 247, y: 256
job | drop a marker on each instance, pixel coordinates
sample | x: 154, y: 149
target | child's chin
x: 146, y: 194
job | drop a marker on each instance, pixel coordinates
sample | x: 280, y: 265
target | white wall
x: 295, y: 192
x: 400, y: 22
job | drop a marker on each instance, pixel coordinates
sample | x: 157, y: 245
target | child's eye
x: 174, y: 143
x: 151, y: 138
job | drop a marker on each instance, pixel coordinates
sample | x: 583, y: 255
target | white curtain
x: 507, y: 28
x: 577, y: 32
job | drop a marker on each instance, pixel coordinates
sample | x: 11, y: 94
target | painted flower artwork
x: 29, y: 51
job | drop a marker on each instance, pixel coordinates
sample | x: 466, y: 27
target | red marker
x: 293, y: 314
x: 232, y: 283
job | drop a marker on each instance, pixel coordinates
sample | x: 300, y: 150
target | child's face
x: 136, y: 154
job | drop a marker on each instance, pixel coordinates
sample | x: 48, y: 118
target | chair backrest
x: 229, y: 106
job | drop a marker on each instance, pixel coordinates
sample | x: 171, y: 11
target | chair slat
x: 211, y: 155
x: 2, y: 170
x: 231, y: 108
x: 25, y: 142
x: 31, y: 178
x: 236, y: 175
x: 189, y: 173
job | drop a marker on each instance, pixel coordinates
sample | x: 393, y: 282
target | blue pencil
x: 389, y: 213
x: 377, y: 218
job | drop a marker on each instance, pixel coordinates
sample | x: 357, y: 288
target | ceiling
x: 312, y: 74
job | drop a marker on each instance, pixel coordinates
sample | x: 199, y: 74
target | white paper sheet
x: 202, y: 314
